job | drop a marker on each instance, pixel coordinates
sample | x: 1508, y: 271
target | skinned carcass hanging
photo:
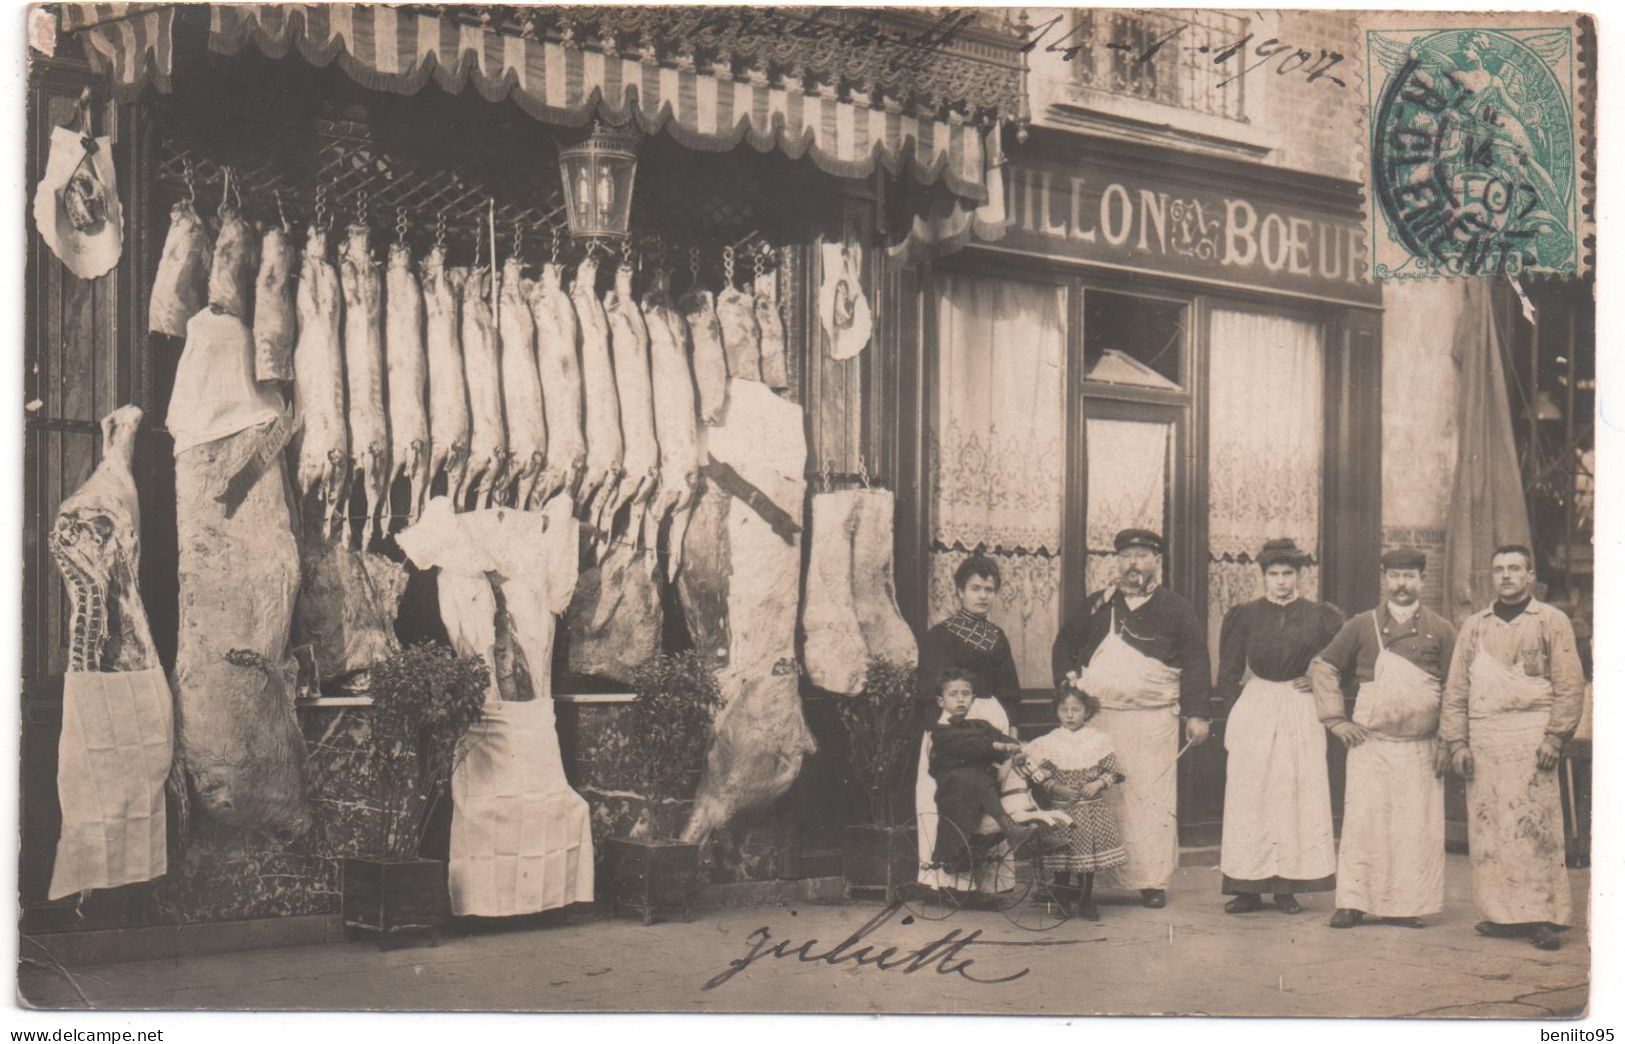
x: 521, y: 386
x: 448, y: 387
x: 600, y: 399
x: 408, y: 365
x: 362, y: 285
x: 275, y: 326
x: 559, y: 368
x: 323, y: 456
x: 482, y: 366
x: 833, y: 648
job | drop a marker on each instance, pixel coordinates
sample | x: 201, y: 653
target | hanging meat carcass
x: 615, y: 619
x: 833, y: 648
x: 181, y: 286
x: 448, y: 387
x: 482, y: 365
x: 676, y: 416
x: 874, y: 589
x: 521, y: 386
x: 274, y: 322
x: 557, y: 336
x: 363, y: 288
x: 318, y: 383
x: 239, y: 573
x: 348, y: 603
x: 629, y: 337
x: 605, y: 443
x: 710, y: 360
x: 231, y: 272
x: 408, y: 376
x: 775, y: 365
x: 759, y: 457
x: 741, y: 336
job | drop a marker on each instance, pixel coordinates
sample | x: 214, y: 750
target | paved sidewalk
x: 1190, y: 958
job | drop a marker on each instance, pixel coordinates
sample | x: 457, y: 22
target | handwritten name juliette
x: 945, y: 955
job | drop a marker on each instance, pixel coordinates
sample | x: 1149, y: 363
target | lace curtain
x: 1265, y: 435
x: 997, y: 450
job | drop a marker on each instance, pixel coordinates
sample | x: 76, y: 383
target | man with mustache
x: 1391, y: 862
x: 1513, y: 700
x: 1140, y: 650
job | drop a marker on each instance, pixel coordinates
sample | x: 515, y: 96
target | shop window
x: 1135, y: 341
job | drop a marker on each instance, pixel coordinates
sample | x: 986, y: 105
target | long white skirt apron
x: 925, y: 798
x: 521, y: 839
x: 113, y: 759
x: 1514, y: 809
x: 1277, y: 800
x: 1139, y: 699
x: 1391, y: 862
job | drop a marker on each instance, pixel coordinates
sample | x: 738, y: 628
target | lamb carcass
x: 761, y: 736
x: 676, y: 417
x: 874, y: 589
x: 557, y: 335
x: 833, y: 648
x: 710, y: 360
x: 180, y: 287
x: 521, y: 385
x: 408, y: 374
x: 318, y: 384
x: 605, y: 444
x: 274, y: 324
x: 448, y: 388
x: 741, y: 336
x: 238, y: 737
x: 775, y: 365
x: 482, y: 365
x: 629, y: 337
x: 231, y: 272
x: 363, y: 288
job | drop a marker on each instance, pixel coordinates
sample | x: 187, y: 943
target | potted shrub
x: 882, y: 728
x: 424, y: 699
x: 661, y: 742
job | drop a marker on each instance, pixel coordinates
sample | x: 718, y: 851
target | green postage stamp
x: 1475, y: 162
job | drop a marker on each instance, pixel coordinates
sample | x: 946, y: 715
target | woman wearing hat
x: 1277, y: 800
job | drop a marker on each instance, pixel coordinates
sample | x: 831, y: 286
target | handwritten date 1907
x: 1292, y: 58
x: 945, y: 954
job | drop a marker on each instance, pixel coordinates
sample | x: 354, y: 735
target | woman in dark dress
x: 968, y: 640
x: 1277, y: 800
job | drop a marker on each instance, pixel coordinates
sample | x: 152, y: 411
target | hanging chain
x: 322, y: 218
x: 400, y: 225
x: 694, y: 264
x: 440, y: 229
x: 518, y: 239
x: 758, y: 262
x: 479, y: 242
x: 361, y: 207
x: 863, y: 471
x: 554, y: 255
x: 728, y: 265
x: 225, y: 193
x: 189, y: 178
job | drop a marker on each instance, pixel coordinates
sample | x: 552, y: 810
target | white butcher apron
x: 1139, y: 700
x: 1391, y: 862
x: 521, y: 839
x: 1277, y: 800
x: 1514, y: 810
x: 925, y: 798
x: 113, y: 759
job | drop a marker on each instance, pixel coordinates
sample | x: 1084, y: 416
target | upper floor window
x: 1167, y: 57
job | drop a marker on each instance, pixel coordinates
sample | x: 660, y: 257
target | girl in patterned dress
x: 1073, y: 766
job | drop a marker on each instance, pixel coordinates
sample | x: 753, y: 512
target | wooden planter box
x: 387, y: 897
x: 651, y: 879
x: 876, y: 858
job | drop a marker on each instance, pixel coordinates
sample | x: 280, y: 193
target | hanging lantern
x: 598, y: 174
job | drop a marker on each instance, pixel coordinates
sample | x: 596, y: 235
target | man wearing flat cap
x: 1391, y: 862
x: 1140, y: 649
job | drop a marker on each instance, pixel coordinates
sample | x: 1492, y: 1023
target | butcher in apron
x: 1277, y: 799
x: 1140, y: 650
x: 1391, y: 863
x: 1515, y: 695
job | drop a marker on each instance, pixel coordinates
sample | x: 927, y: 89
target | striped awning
x: 401, y: 50
x: 127, y: 44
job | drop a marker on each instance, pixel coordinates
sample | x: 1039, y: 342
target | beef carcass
x: 448, y: 388
x: 348, y: 603
x: 874, y: 589
x: 761, y: 736
x: 408, y: 375
x: 181, y: 286
x: 833, y: 648
x: 362, y: 284
x: 110, y: 781
x: 605, y: 444
x: 741, y: 336
x: 482, y: 366
x: 274, y: 323
x: 709, y: 359
x: 775, y: 365
x: 615, y: 619
x: 238, y: 737
x: 318, y: 384
x: 231, y: 271
x: 559, y: 369
x: 702, y: 584
x: 629, y: 337
x: 676, y: 417
x: 521, y: 385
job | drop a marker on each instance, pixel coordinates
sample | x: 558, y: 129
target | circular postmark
x: 1473, y: 155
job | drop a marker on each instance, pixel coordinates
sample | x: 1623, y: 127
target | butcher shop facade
x: 285, y: 475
